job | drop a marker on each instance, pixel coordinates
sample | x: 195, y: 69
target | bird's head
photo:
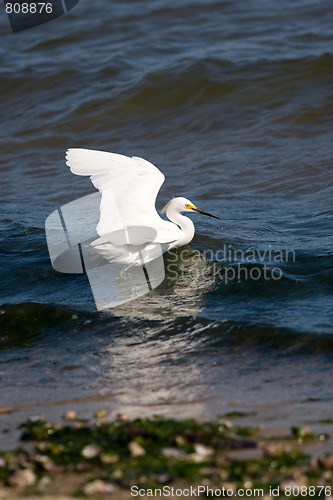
x: 181, y: 204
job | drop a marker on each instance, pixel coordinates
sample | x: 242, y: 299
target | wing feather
x: 129, y: 187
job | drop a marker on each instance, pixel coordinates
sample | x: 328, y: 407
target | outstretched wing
x: 129, y: 187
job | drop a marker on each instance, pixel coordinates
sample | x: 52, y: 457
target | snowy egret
x: 129, y: 187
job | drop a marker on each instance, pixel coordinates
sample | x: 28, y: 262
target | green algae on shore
x: 148, y: 453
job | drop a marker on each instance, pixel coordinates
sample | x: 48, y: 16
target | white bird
x: 130, y: 229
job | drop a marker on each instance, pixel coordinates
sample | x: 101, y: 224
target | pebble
x: 22, y: 478
x: 98, y: 486
x: 274, y: 449
x: 43, y: 484
x: 225, y: 423
x: 36, y: 418
x: 163, y: 478
x: 209, y: 471
x: 305, y: 431
x: 180, y: 440
x: 83, y: 466
x: 42, y: 446
x: 292, y: 483
x: 117, y: 474
x: 70, y: 415
x: 203, y: 450
x: 327, y: 462
x: 122, y: 416
x: 46, y: 462
x: 90, y: 451
x: 100, y: 414
x: 172, y: 453
x: 136, y: 449
x: 230, y: 486
x: 223, y: 475
x: 109, y: 459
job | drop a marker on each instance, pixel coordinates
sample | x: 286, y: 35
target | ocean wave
x: 26, y: 324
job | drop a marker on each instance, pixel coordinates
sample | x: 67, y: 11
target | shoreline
x: 106, y: 459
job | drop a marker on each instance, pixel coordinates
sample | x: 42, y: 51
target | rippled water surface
x: 233, y: 102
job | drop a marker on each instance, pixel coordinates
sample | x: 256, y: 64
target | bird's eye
x: 187, y: 206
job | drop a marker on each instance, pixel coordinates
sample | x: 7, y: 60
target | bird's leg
x: 122, y: 273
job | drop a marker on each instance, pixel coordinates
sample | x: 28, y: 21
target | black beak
x: 199, y: 211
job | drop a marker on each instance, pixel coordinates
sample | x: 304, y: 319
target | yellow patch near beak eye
x: 190, y: 207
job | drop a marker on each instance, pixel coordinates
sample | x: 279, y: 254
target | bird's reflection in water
x: 148, y: 364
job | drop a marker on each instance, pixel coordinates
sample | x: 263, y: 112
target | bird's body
x: 130, y: 229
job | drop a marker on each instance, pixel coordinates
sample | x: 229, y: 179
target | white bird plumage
x: 129, y: 187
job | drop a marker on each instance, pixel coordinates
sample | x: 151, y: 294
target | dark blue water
x: 233, y: 102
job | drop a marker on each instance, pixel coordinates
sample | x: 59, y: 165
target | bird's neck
x: 185, y: 224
